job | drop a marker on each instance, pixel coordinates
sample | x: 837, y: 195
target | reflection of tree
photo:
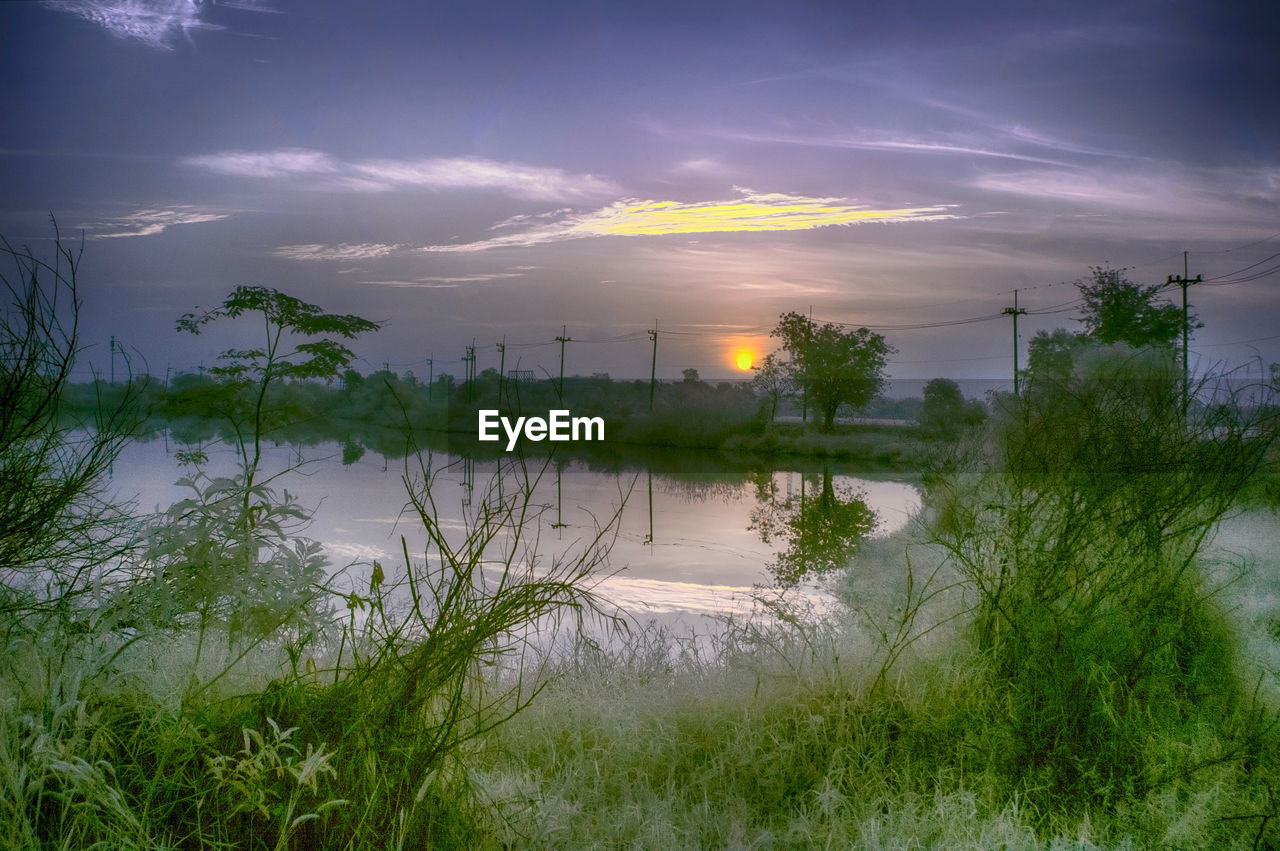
x: 822, y: 530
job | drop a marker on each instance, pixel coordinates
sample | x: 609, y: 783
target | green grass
x: 779, y: 736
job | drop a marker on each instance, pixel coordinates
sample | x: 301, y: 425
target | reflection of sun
x: 743, y: 359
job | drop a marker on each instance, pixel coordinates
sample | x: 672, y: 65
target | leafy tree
x: 1116, y: 310
x: 945, y: 411
x: 690, y: 376
x: 247, y: 374
x: 833, y: 366
x: 228, y: 553
x: 821, y: 531
x: 1051, y: 353
x: 772, y: 381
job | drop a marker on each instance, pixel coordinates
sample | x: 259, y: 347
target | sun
x: 743, y: 359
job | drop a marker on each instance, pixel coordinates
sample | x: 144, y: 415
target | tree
x: 1116, y: 310
x: 831, y: 365
x: 247, y: 374
x: 772, y: 381
x: 691, y: 376
x: 227, y: 553
x: 1050, y: 354
x: 822, y: 531
x: 945, y: 411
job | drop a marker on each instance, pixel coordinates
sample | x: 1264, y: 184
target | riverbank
x: 785, y: 735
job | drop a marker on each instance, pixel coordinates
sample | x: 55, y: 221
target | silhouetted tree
x: 945, y: 410
x: 772, y: 381
x: 833, y: 366
x: 1116, y: 310
x: 821, y: 530
x: 247, y: 374
x: 1051, y: 353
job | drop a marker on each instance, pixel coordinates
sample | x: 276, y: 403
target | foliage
x: 773, y: 381
x: 945, y: 411
x: 366, y: 736
x: 1116, y: 310
x: 434, y: 659
x: 1050, y: 354
x: 269, y: 777
x: 821, y: 532
x: 248, y: 374
x: 55, y: 527
x: 200, y: 560
x: 228, y: 554
x: 1080, y: 532
x: 831, y: 365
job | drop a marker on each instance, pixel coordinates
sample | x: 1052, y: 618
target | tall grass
x: 359, y: 736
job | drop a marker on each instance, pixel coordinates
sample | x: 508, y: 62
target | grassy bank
x: 790, y: 733
x: 789, y: 737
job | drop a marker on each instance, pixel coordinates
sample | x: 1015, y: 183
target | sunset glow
x: 509, y: 175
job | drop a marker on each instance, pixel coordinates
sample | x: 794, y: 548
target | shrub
x: 1079, y: 531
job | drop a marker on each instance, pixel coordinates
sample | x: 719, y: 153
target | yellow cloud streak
x: 652, y: 218
x: 753, y: 213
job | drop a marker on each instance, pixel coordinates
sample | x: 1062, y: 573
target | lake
x: 696, y: 535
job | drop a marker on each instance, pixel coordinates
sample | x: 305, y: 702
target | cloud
x: 150, y: 222
x: 1175, y: 193
x: 955, y: 147
x: 753, y: 212
x: 343, y: 252
x: 515, y: 179
x: 518, y: 180
x: 448, y: 282
x: 156, y: 23
x: 282, y: 162
x: 454, y: 281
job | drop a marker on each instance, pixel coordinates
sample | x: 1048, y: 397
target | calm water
x: 688, y: 546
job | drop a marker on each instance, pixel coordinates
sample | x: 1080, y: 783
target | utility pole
x: 502, y: 366
x: 653, y: 364
x: 562, y: 339
x: 1185, y: 282
x: 469, y: 360
x: 431, y: 375
x: 1015, y: 313
x: 113, y: 359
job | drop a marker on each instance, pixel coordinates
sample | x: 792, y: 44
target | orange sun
x: 743, y: 359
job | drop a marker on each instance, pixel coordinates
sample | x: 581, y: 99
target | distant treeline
x: 688, y: 413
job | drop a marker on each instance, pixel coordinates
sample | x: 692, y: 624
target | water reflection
x: 697, y: 532
x: 820, y: 527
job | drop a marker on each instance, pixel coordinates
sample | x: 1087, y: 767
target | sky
x: 489, y: 171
